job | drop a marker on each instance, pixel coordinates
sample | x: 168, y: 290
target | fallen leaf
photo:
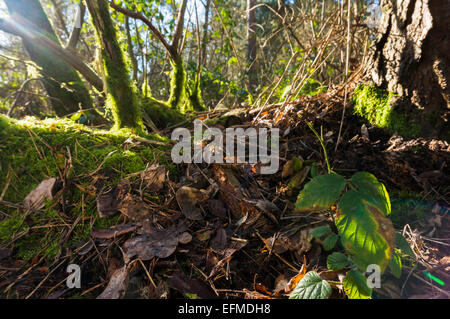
x: 154, y: 177
x: 117, y: 285
x: 35, y: 200
x: 191, y: 285
x: 188, y: 199
x: 219, y: 242
x: 217, y: 208
x: 113, y: 231
x: 226, y: 256
x: 159, y: 243
x: 134, y: 208
x: 108, y: 202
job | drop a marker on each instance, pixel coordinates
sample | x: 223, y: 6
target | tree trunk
x: 122, y: 97
x: 411, y: 60
x: 251, y: 38
x: 61, y: 81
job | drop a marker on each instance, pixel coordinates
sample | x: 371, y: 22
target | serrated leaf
x: 320, y: 193
x: 337, y: 261
x: 374, y: 191
x: 355, y: 286
x: 365, y: 232
x: 395, y: 265
x: 403, y: 245
x: 321, y: 231
x: 311, y: 287
x: 330, y: 242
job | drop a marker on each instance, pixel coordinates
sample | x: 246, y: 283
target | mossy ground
x: 375, y: 105
x: 33, y: 150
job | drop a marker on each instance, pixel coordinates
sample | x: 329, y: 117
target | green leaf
x: 311, y: 287
x: 366, y: 233
x: 337, y: 261
x: 321, y: 231
x: 320, y: 193
x: 374, y: 191
x: 403, y: 245
x: 395, y: 265
x: 355, y: 286
x: 330, y: 242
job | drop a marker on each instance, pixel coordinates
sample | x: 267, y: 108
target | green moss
x: 375, y: 105
x: 195, y: 97
x: 33, y: 150
x: 161, y: 113
x: 178, y: 95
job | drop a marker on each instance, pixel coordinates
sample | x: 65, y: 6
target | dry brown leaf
x: 188, y: 199
x: 134, y: 208
x: 117, y: 285
x: 35, y: 200
x: 154, y: 177
x: 226, y: 256
x: 159, y: 243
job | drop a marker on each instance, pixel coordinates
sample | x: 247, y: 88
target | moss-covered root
x: 376, y: 105
x: 161, y: 114
x: 122, y: 99
x: 195, y: 98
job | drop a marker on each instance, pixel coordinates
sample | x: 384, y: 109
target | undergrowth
x: 32, y: 151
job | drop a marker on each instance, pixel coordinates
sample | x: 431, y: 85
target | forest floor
x: 147, y: 228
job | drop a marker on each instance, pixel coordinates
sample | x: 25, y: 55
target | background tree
x: 62, y: 82
x: 411, y: 59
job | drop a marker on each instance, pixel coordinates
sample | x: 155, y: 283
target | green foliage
x: 311, y: 287
x: 374, y: 104
x: 395, y: 265
x: 337, y: 261
x: 314, y: 198
x: 365, y: 232
x: 321, y: 231
x: 355, y: 286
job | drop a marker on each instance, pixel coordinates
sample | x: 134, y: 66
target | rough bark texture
x: 62, y: 82
x: 122, y: 97
x: 411, y: 59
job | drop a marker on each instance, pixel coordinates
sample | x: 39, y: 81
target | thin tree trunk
x: 121, y: 97
x: 61, y: 81
x: 251, y: 38
x: 79, y: 21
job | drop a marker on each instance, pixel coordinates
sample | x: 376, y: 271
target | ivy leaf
x: 311, y: 287
x: 355, y: 286
x: 373, y: 191
x: 366, y: 233
x: 395, y: 265
x: 403, y: 245
x: 337, y: 261
x: 320, y: 193
x: 321, y: 231
x: 330, y: 242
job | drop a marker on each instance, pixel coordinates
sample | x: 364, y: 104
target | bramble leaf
x: 311, y: 287
x: 321, y: 231
x: 355, y: 286
x: 373, y: 191
x: 395, y: 265
x: 365, y: 232
x: 320, y: 193
x: 330, y: 242
x: 337, y: 261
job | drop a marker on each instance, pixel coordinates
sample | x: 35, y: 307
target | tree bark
x: 411, y: 59
x: 122, y: 98
x: 61, y: 81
